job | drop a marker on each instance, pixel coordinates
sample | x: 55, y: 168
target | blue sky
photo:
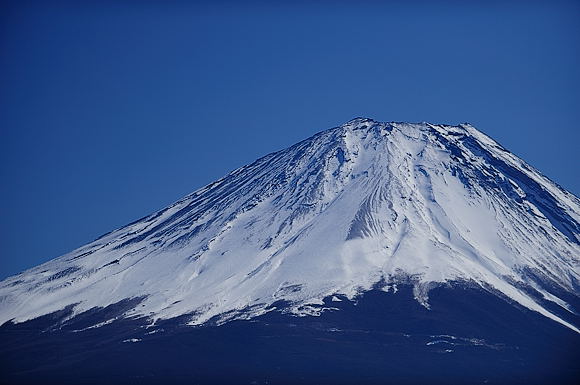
x: 111, y: 110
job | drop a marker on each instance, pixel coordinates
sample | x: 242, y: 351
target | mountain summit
x: 363, y: 206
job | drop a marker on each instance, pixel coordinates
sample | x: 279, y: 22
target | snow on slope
x: 352, y: 206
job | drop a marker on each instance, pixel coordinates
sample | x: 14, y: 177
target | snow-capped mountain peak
x: 360, y: 206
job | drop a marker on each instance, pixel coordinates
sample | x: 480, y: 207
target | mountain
x: 439, y: 220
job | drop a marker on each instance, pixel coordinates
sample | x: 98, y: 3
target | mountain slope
x: 361, y: 206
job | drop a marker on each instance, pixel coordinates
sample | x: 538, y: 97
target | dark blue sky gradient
x: 111, y: 110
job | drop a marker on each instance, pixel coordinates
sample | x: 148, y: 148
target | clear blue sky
x: 111, y: 111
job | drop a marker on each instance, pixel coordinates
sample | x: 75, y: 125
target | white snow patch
x: 353, y: 206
